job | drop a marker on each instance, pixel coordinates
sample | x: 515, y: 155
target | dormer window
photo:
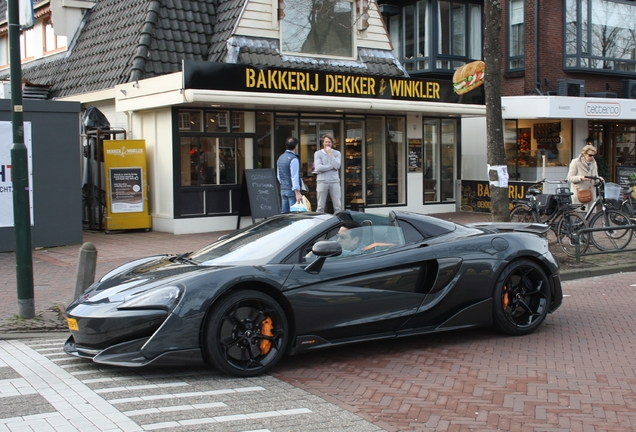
x: 319, y: 27
x: 51, y: 41
x: 27, y: 45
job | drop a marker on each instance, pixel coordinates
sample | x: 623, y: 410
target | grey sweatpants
x: 333, y: 190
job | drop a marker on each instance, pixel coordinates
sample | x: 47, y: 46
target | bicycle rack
x: 577, y: 243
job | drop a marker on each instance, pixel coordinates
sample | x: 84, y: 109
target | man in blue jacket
x: 288, y: 173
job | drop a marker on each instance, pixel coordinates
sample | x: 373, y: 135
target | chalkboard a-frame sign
x: 259, y: 194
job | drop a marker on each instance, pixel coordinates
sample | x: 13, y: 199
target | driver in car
x: 350, y: 238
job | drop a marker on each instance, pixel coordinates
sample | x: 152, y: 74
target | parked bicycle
x: 602, y: 213
x: 627, y: 203
x: 556, y: 211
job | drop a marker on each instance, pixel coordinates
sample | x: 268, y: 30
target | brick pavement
x: 576, y: 373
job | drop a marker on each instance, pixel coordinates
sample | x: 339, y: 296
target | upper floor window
x: 27, y: 44
x: 516, y: 40
x: 600, y: 34
x: 319, y: 27
x: 51, y: 41
x: 4, y: 51
x: 436, y: 35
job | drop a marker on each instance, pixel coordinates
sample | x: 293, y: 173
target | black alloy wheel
x: 521, y: 298
x: 245, y: 334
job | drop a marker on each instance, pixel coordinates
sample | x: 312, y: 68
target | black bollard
x: 85, y: 268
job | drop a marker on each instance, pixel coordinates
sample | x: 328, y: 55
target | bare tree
x: 496, y: 155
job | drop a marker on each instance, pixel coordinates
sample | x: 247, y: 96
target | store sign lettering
x: 339, y: 84
x: 602, y: 109
x: 514, y: 191
x: 417, y: 89
x: 281, y: 80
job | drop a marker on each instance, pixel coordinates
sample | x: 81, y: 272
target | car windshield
x: 258, y: 243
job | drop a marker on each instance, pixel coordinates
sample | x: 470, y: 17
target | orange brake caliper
x: 506, y: 298
x: 266, y: 330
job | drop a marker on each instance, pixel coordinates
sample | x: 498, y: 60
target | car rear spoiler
x: 530, y: 227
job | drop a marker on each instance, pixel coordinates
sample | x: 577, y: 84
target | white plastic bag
x: 299, y: 207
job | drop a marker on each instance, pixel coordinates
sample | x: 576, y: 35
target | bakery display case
x: 353, y: 172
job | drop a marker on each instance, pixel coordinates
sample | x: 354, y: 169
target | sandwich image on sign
x: 468, y: 77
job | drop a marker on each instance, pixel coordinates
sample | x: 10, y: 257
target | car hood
x: 142, y: 275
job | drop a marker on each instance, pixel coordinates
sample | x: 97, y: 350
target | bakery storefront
x: 399, y: 137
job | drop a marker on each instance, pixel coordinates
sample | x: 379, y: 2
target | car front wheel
x: 521, y: 298
x: 245, y: 334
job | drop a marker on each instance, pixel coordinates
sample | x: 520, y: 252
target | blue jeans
x: 289, y: 199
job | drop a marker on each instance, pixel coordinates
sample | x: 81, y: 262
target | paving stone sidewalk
x: 55, y: 269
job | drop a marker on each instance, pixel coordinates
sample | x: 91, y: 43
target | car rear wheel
x: 521, y: 298
x: 245, y: 334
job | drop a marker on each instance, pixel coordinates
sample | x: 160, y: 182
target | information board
x: 261, y: 188
x: 623, y: 173
x: 126, y: 185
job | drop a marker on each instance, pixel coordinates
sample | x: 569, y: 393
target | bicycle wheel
x: 615, y: 239
x: 567, y: 228
x: 523, y: 213
x: 627, y: 208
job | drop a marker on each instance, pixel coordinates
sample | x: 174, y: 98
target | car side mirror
x: 323, y: 249
x: 326, y: 248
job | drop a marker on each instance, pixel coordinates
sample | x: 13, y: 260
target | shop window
x: 439, y: 157
x: 52, y: 42
x: 537, y: 149
x: 430, y: 157
x: 516, y: 39
x: 385, y: 161
x: 395, y: 160
x: 599, y: 35
x: 190, y: 121
x: 374, y: 160
x: 352, y: 164
x: 217, y: 121
x: 319, y: 27
x: 264, y: 140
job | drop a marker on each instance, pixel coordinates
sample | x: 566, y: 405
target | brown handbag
x: 584, y: 195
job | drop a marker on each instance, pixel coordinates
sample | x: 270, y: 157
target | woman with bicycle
x: 581, y: 168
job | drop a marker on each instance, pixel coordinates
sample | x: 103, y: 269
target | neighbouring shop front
x: 399, y: 137
x: 544, y: 133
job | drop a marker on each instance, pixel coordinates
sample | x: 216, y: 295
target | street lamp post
x: 20, y: 173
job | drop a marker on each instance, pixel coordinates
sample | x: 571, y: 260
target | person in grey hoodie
x: 327, y: 166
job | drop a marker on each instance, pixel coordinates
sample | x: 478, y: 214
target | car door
x: 359, y: 296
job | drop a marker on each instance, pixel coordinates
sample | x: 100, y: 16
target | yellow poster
x: 126, y: 185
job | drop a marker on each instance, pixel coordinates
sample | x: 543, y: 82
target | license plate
x: 72, y: 324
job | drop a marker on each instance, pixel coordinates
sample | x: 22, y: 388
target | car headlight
x: 158, y: 298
